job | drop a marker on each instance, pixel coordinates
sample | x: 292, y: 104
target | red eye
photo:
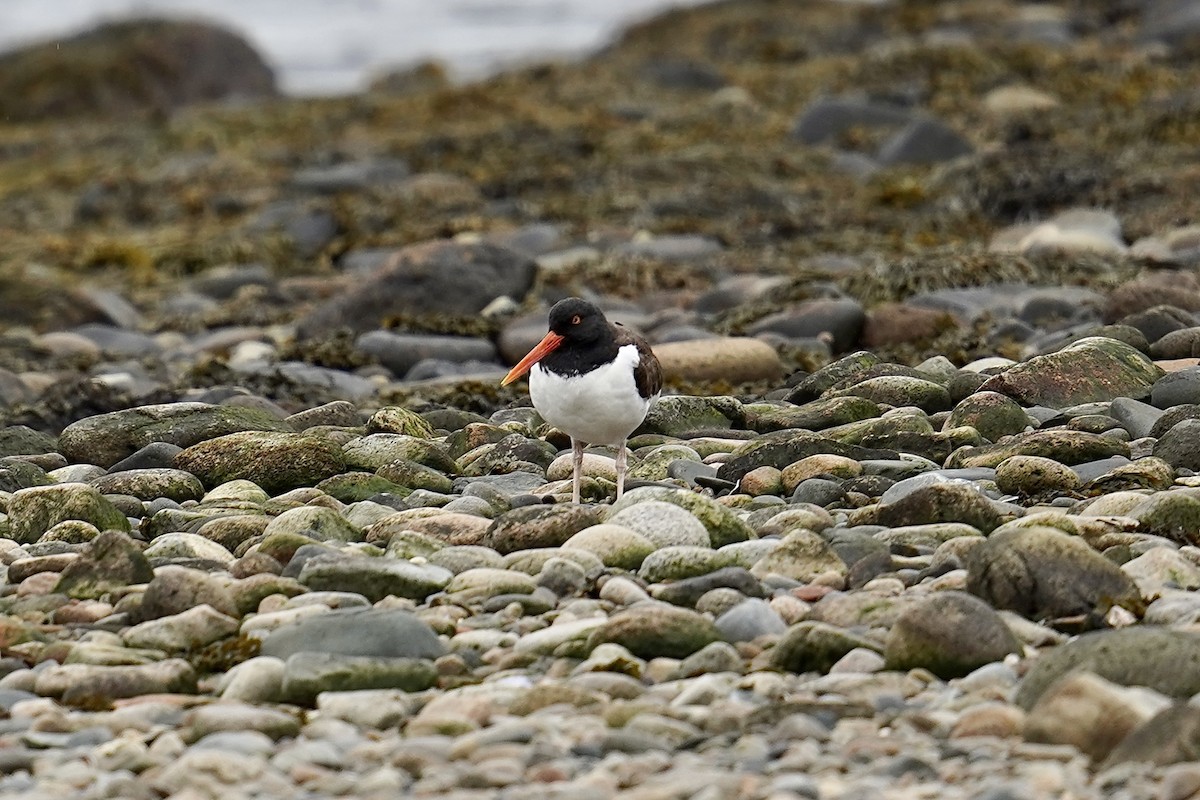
x: 575, y: 320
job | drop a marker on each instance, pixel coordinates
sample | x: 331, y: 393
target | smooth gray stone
x: 391, y: 633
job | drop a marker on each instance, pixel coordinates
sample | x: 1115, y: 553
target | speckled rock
x: 175, y: 589
x: 375, y: 450
x: 316, y: 522
x: 723, y: 524
x: 1058, y: 444
x: 615, y: 545
x: 538, y: 526
x: 1088, y: 370
x: 682, y: 561
x: 187, y: 546
x: 395, y: 419
x: 1033, y: 475
x: 664, y: 524
x: 186, y: 631
x: 109, y: 562
x: 801, y: 556
x: 274, y: 461
x: 993, y: 414
x: 150, y: 484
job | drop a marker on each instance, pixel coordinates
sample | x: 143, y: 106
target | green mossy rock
x: 32, y: 512
x: 276, y: 462
x: 105, y: 439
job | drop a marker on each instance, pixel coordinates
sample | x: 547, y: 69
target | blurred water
x: 334, y: 46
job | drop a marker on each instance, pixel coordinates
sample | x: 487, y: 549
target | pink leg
x: 621, y: 469
x: 577, y: 472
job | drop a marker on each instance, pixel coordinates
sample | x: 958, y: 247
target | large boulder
x: 129, y: 66
x: 439, y: 277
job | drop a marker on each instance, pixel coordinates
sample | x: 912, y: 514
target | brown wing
x: 647, y: 375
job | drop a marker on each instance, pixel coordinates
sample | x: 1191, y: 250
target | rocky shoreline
x: 917, y: 516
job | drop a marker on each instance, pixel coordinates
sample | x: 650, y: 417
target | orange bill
x: 547, y: 345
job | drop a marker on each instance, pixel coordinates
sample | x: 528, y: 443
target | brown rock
x: 898, y: 323
x: 1143, y: 294
x: 730, y: 359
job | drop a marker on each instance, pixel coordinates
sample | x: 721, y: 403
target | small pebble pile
x: 916, y: 518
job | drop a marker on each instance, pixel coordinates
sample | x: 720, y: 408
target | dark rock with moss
x: 901, y: 390
x: 1158, y: 658
x: 950, y: 634
x: 507, y: 455
x: 1044, y: 573
x: 104, y: 439
x: 275, y: 461
x: 148, y: 484
x: 844, y: 369
x: 781, y: 448
x: 374, y: 578
x: 817, y: 415
x: 31, y: 512
x: 351, y: 487
x: 683, y: 415
x: 1058, y: 444
x: 16, y: 474
x: 1174, y: 515
x: 109, y: 563
x: 438, y: 277
x: 538, y: 526
x: 814, y: 646
x: 21, y: 440
x: 941, y: 502
x: 140, y: 65
x: 308, y: 674
x: 993, y: 414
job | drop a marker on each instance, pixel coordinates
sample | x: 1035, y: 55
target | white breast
x: 598, y: 407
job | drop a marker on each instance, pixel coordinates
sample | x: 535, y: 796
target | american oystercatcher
x: 591, y: 379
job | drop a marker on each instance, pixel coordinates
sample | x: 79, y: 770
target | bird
x: 592, y: 379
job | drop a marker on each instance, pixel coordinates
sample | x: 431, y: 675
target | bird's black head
x: 577, y: 320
